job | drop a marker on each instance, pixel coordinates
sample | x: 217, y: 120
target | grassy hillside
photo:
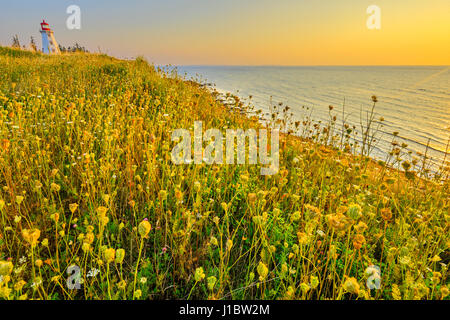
x: 86, y: 179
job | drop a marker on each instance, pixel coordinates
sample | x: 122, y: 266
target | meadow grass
x: 86, y: 180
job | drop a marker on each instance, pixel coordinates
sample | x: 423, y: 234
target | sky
x: 243, y: 32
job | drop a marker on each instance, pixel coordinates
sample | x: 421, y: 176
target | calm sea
x: 414, y: 101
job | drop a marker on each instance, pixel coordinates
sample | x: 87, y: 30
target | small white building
x: 49, y: 44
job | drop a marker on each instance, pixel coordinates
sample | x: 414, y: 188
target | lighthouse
x: 49, y: 44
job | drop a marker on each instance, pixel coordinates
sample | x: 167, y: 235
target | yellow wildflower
x: 55, y: 187
x: 19, y: 285
x: 211, y: 282
x: 144, y: 228
x: 351, y: 285
x: 199, y: 274
x: 314, y: 282
x: 19, y: 200
x: 73, y: 207
x: 263, y: 271
x: 5, y: 268
x: 109, y: 255
x: 31, y: 236
x: 138, y: 294
x: 120, y: 255
x: 101, y: 211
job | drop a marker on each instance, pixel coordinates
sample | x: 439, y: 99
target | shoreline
x: 416, y: 140
x: 223, y: 97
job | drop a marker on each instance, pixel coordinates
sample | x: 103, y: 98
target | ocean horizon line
x: 300, y: 66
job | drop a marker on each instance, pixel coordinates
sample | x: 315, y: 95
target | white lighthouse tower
x: 49, y: 44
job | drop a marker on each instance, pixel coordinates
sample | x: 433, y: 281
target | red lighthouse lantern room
x: 45, y: 26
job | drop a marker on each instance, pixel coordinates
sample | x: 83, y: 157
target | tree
x: 75, y: 48
x: 78, y: 48
x: 16, y: 42
x: 33, y: 44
